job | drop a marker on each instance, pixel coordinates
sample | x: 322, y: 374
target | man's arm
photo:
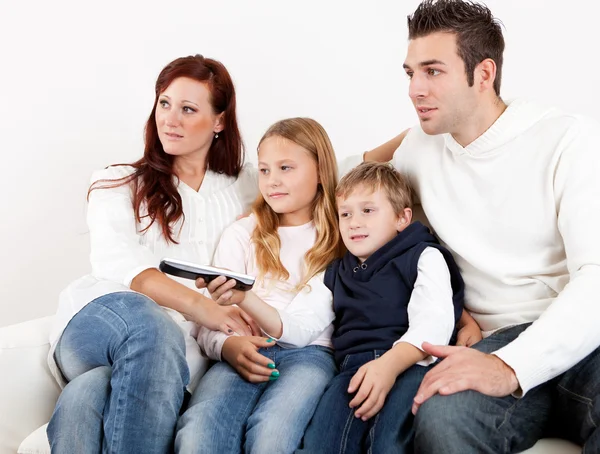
x: 385, y: 152
x: 568, y: 330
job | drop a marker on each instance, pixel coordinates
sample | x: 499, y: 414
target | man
x: 513, y: 190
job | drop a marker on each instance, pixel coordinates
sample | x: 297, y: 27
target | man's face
x: 438, y: 84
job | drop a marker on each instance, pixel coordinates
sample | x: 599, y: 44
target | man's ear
x: 404, y: 219
x: 485, y: 73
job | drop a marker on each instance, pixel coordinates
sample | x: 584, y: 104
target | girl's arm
x: 299, y: 324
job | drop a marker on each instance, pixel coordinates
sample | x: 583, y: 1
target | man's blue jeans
x: 228, y: 415
x: 335, y: 429
x: 124, y: 360
x: 470, y: 422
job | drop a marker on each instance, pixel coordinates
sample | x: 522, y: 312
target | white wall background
x: 77, y: 79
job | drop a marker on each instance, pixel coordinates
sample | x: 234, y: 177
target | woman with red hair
x: 123, y: 342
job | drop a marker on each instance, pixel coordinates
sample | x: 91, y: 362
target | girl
x: 286, y: 243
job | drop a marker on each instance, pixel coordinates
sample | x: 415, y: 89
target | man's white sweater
x: 520, y: 210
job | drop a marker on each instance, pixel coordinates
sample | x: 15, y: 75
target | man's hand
x: 374, y: 381
x: 241, y: 353
x: 462, y: 369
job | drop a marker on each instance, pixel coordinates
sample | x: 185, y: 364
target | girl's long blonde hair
x: 328, y: 246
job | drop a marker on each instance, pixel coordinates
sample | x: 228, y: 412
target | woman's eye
x: 187, y: 109
x: 163, y: 103
x: 264, y: 171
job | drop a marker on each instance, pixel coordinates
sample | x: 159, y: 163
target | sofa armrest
x: 28, y: 392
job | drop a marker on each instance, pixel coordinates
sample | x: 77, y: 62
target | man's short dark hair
x: 478, y: 33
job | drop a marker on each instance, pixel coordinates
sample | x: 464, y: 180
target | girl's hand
x: 242, y: 354
x: 223, y: 292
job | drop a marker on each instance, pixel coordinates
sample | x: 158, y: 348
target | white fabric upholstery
x: 27, y: 390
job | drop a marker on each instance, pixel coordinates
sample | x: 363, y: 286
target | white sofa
x: 28, y: 392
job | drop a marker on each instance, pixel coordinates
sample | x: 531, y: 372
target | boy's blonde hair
x: 375, y: 176
x: 328, y: 246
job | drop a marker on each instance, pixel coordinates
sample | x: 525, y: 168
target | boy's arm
x: 431, y: 308
x: 430, y: 315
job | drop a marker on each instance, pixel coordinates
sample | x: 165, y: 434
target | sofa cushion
x: 36, y: 443
x: 28, y: 392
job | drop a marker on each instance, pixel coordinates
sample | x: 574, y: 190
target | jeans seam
x: 120, y: 400
x: 583, y: 400
x: 258, y: 389
x: 344, y: 362
x: 345, y: 433
x: 372, y: 433
x: 507, y: 414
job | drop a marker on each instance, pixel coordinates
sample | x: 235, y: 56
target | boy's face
x: 368, y: 221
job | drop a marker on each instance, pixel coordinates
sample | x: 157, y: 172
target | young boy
x: 395, y: 288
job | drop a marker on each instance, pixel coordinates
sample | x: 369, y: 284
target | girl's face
x: 288, y: 179
x: 185, y: 119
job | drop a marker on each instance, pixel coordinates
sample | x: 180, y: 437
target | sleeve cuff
x: 412, y: 340
x: 528, y: 375
x: 130, y: 276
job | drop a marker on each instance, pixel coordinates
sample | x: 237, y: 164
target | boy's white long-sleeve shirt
x: 519, y: 208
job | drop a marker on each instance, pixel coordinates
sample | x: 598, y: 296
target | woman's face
x: 185, y: 119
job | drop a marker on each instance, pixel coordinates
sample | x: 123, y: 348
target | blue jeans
x: 228, y: 415
x: 470, y: 422
x: 335, y: 429
x: 124, y: 360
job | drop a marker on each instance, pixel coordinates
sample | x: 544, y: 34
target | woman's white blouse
x: 120, y: 249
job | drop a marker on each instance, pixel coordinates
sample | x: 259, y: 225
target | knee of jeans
x: 148, y: 319
x: 89, y: 390
x: 443, y: 414
x: 271, y: 439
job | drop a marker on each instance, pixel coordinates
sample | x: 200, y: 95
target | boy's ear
x: 404, y: 219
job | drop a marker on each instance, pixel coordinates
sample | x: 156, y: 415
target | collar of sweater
x: 519, y: 116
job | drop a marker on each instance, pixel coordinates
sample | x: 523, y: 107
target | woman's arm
x: 117, y: 255
x: 192, y: 304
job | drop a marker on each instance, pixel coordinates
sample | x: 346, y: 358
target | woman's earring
x: 216, y: 135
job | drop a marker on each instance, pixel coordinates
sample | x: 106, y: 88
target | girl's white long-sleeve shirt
x: 306, y: 315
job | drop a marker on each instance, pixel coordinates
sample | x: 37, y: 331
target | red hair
x: 153, y: 185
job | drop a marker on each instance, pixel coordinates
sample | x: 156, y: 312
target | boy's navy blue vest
x: 371, y: 299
